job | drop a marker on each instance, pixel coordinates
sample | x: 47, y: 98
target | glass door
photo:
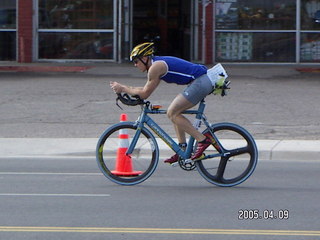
x: 196, y: 31
x: 124, y: 29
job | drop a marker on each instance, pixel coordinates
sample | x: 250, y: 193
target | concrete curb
x: 85, y: 148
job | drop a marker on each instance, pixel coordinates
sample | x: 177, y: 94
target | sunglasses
x: 136, y: 61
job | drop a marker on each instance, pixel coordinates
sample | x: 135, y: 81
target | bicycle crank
x: 187, y: 164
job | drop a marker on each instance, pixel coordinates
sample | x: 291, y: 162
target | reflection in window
x: 76, y: 45
x: 310, y: 15
x: 8, y: 18
x: 234, y: 46
x: 256, y: 14
x: 70, y: 14
x: 7, y: 46
x: 255, y: 47
x: 310, y: 47
x: 7, y: 30
x: 87, y: 15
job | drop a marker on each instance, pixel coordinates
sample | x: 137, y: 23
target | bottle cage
x: 127, y: 100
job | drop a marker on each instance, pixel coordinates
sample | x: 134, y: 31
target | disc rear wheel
x: 236, y: 156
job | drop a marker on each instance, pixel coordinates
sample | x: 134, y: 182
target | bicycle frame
x: 145, y: 119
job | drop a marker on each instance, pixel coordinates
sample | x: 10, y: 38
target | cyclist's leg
x: 181, y: 124
x: 180, y: 134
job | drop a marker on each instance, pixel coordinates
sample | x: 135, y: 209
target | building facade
x: 252, y: 31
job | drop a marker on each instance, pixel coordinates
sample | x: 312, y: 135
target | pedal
x: 175, y: 164
x: 188, y: 161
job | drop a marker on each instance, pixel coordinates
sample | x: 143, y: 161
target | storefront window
x: 310, y: 15
x: 255, y: 47
x: 310, y: 47
x: 256, y: 14
x: 7, y: 18
x: 76, y: 45
x: 72, y: 29
x: 70, y: 14
x: 7, y: 46
x: 7, y: 30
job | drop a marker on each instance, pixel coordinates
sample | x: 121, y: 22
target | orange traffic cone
x: 124, y: 165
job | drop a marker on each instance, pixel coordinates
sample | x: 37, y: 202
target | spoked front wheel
x: 233, y: 159
x: 123, y: 168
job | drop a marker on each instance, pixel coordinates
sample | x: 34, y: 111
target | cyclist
x: 178, y: 71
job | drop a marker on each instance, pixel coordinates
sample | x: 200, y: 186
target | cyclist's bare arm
x: 156, y: 70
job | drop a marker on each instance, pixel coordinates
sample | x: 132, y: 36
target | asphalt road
x: 70, y: 199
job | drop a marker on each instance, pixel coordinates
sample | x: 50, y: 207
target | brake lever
x: 117, y: 102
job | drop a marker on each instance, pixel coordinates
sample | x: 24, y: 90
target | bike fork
x: 134, y: 141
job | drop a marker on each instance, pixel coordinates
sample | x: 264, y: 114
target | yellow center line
x: 160, y: 231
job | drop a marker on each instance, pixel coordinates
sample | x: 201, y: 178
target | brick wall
x: 200, y: 30
x: 209, y: 33
x: 25, y: 36
x: 207, y: 56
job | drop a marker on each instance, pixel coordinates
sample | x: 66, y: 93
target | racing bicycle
x: 230, y: 160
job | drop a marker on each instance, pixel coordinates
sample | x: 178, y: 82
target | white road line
x: 51, y: 195
x: 48, y: 157
x: 48, y: 173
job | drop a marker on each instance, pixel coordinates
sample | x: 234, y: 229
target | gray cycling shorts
x: 198, y: 89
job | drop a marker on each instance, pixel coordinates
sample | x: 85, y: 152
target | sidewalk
x: 85, y: 148
x: 127, y: 69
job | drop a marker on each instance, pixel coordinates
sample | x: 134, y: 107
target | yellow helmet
x: 142, y: 50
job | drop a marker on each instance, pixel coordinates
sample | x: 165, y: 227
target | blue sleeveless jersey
x: 180, y: 71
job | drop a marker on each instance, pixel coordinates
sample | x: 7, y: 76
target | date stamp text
x: 267, y: 214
